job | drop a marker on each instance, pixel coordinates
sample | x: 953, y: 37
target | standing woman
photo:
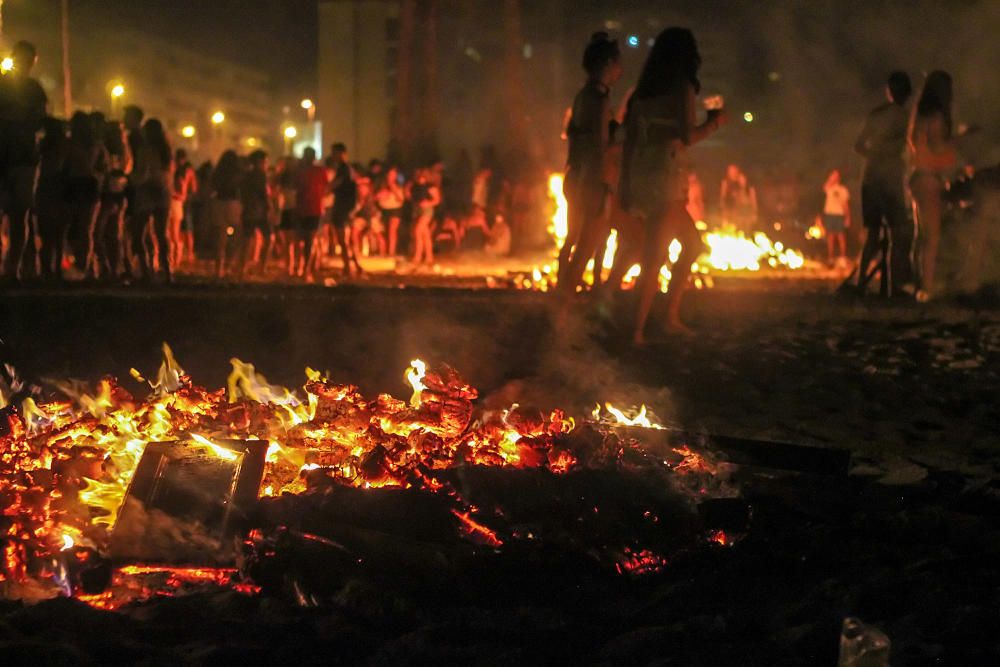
x: 86, y: 168
x: 391, y: 197
x: 50, y: 197
x: 153, y: 178
x: 932, y: 154
x: 660, y: 125
x: 588, y: 133
x: 109, y: 233
x: 226, y: 206
x: 425, y: 196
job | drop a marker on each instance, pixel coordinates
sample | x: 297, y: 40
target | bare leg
x: 653, y: 255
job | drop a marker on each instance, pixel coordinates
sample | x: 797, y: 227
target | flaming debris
x: 726, y: 249
x: 66, y: 463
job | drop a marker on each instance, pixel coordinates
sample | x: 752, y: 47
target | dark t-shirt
x: 883, y: 143
x: 254, y: 193
x: 345, y: 190
x: 22, y: 110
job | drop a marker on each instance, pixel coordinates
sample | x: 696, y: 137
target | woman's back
x: 931, y: 149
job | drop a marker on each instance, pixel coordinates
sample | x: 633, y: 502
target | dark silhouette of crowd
x: 100, y: 199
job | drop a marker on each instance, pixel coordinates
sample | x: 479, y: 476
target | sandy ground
x: 909, y: 541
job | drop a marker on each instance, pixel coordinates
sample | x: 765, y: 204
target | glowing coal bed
x: 254, y: 488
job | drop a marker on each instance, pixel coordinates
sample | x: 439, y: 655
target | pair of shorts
x: 390, y: 213
x: 834, y: 224
x: 287, y: 222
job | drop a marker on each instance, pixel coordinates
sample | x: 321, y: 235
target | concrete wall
x: 355, y: 75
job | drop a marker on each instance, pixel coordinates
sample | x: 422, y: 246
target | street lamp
x: 117, y: 90
x: 188, y: 131
x: 310, y: 108
x: 218, y: 118
x: 290, y: 134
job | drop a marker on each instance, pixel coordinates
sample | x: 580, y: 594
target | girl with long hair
x: 660, y: 125
x: 86, y: 168
x: 153, y: 177
x: 585, y: 186
x: 226, y: 206
x: 932, y: 155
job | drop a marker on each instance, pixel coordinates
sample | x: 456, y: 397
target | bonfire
x: 87, y: 479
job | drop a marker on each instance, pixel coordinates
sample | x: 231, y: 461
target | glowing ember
x: 66, y: 464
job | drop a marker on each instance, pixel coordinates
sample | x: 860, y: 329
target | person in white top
x: 836, y: 215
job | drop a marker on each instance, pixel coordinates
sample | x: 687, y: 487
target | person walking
x: 660, y: 125
x: 585, y: 185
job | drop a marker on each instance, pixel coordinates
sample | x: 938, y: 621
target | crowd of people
x: 629, y: 170
x: 108, y: 200
x: 112, y: 200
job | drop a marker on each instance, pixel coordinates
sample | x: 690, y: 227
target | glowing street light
x: 310, y: 108
x: 218, y: 118
x: 117, y: 90
x: 290, y: 134
x: 188, y: 131
x: 7, y: 64
x: 748, y: 117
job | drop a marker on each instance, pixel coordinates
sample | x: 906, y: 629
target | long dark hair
x: 156, y: 138
x: 673, y: 61
x: 936, y: 98
x: 227, y: 171
x: 81, y: 129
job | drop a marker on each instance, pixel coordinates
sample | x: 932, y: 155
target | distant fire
x: 727, y: 249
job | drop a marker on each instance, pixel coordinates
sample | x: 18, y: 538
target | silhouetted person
x: 932, y: 155
x: 180, y: 228
x: 256, y: 196
x: 882, y: 142
x: 345, y: 199
x: 227, y: 207
x: 110, y: 234
x: 22, y: 110
x: 86, y: 168
x: 311, y: 186
x: 585, y: 185
x: 661, y: 123
x: 132, y: 117
x: 390, y: 196
x: 153, y: 179
x: 50, y: 197
x: 425, y: 196
x: 836, y: 216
